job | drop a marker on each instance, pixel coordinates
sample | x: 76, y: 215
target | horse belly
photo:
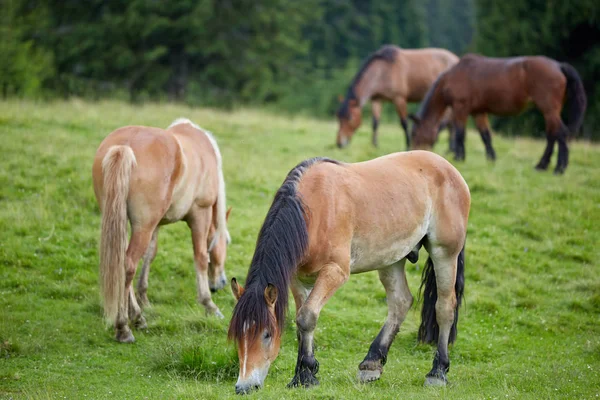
x: 178, y: 210
x: 368, y: 254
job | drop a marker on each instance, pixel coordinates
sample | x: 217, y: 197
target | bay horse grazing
x: 480, y: 85
x: 152, y: 177
x: 329, y: 220
x: 390, y: 74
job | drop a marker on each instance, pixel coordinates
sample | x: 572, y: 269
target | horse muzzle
x: 219, y: 283
x: 245, y: 389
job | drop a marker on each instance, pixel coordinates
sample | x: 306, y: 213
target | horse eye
x: 267, y: 336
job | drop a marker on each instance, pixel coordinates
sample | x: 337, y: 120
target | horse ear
x: 270, y: 295
x: 227, y: 214
x: 237, y: 289
x: 340, y: 98
x: 414, y: 118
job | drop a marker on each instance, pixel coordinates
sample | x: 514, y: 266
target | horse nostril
x: 245, y: 389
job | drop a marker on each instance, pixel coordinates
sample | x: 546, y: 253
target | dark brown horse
x: 390, y: 74
x: 480, y: 85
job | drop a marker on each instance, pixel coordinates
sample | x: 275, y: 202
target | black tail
x: 429, y: 329
x: 576, y: 97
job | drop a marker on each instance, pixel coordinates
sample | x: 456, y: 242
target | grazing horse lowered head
x: 330, y: 220
x: 151, y: 177
x: 480, y: 85
x: 391, y: 74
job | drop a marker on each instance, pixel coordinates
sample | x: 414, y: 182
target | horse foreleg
x: 459, y: 145
x: 199, y: 222
x: 331, y: 277
x: 399, y: 300
x: 402, y: 111
x: 142, y: 287
x: 483, y: 126
x: 376, y: 111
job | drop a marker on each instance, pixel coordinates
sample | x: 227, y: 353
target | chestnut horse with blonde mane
x: 330, y: 220
x: 391, y: 74
x: 480, y: 85
x: 152, y: 177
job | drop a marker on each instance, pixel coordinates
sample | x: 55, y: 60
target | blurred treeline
x: 296, y: 55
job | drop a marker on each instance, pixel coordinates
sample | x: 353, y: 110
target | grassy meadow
x: 529, y: 327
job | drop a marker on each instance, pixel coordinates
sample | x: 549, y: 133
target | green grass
x: 530, y: 326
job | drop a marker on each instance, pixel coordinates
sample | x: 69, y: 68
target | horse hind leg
x: 441, y: 288
x: 142, y: 287
x: 399, y: 301
x: 563, y: 150
x: 140, y: 239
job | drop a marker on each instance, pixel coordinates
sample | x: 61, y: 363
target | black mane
x: 385, y: 53
x: 282, y: 243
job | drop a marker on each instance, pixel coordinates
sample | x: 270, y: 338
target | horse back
x: 504, y: 86
x: 421, y: 67
x: 198, y: 183
x: 371, y: 214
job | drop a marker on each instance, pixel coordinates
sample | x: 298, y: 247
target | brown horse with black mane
x: 151, y: 177
x: 329, y: 220
x: 390, y: 74
x: 480, y: 85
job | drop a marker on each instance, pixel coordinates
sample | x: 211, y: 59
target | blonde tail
x: 221, y: 222
x: 116, y: 169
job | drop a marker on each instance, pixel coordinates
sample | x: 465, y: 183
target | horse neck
x: 368, y: 84
x: 435, y: 106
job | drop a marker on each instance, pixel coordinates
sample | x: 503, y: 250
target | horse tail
x: 116, y: 169
x: 429, y: 329
x: 221, y: 220
x: 575, y: 97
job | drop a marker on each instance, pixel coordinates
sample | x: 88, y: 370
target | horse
x: 480, y: 85
x: 152, y: 177
x: 390, y: 74
x: 329, y: 220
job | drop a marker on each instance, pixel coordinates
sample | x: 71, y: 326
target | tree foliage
x: 297, y: 55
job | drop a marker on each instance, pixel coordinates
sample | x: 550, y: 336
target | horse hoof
x: 541, y: 167
x: 218, y: 314
x: 143, y: 302
x: 435, y: 381
x: 125, y: 336
x: 141, y: 323
x: 365, y: 376
x: 305, y: 381
x: 559, y: 171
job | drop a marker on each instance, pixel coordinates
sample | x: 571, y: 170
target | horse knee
x: 406, y: 303
x: 306, y: 320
